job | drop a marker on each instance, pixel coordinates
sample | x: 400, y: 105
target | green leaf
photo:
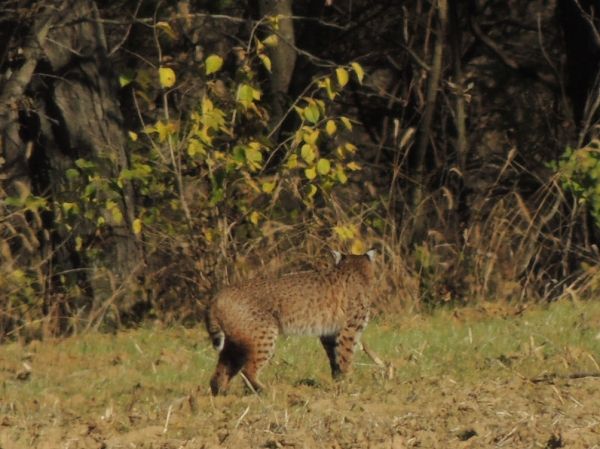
x: 195, y: 147
x: 213, y: 64
x: 323, y: 166
x: 125, y: 79
x: 311, y: 113
x: 71, y: 173
x: 253, y: 155
x: 85, y: 164
x: 216, y: 196
x: 308, y: 153
x: 246, y: 95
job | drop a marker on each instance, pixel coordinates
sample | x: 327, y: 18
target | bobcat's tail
x: 217, y: 336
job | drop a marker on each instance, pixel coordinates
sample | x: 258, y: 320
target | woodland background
x: 151, y: 152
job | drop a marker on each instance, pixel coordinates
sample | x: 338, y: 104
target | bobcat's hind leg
x: 260, y: 351
x: 231, y: 359
x: 347, y: 340
x: 329, y: 342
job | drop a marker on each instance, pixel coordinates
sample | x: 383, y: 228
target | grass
x: 148, y: 387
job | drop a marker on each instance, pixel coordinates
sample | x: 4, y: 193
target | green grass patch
x: 133, y: 378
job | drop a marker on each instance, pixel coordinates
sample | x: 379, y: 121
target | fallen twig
x: 373, y: 356
x: 551, y: 376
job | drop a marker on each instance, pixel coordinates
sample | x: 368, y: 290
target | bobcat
x: 244, y: 321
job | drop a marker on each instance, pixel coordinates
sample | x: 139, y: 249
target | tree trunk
x: 582, y: 42
x: 283, y: 57
x: 68, y: 79
x: 423, y: 141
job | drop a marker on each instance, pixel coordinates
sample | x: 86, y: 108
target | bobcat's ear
x: 337, y: 256
x: 372, y: 253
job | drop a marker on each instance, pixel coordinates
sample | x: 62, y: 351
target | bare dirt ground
x: 148, y: 389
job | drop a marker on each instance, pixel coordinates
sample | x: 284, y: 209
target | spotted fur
x: 245, y: 320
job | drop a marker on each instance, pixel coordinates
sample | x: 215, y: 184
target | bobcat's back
x: 303, y: 303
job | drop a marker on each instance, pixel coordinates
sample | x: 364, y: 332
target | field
x: 478, y: 377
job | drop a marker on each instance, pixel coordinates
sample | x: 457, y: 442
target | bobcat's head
x: 349, y: 263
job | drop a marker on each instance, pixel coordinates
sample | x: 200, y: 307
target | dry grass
x: 477, y: 377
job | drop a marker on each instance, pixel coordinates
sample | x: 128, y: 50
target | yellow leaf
x: 346, y: 123
x: 354, y: 166
x: 311, y: 137
x: 208, y: 234
x: 330, y: 127
x: 246, y: 95
x: 137, y: 226
x: 133, y: 136
x: 213, y: 64
x: 292, y: 162
x: 162, y: 130
x: 344, y: 232
x: 268, y: 187
x: 253, y: 155
x: 341, y: 175
x: 254, y: 217
x: 166, y: 28
x: 350, y: 147
x: 308, y: 153
x: 266, y: 61
x: 326, y: 84
x: 78, y: 243
x: 271, y: 41
x: 166, y: 76
x: 358, y: 70
x: 310, y: 173
x: 207, y: 105
x: 323, y: 166
x: 312, y: 189
x: 125, y: 80
x: 342, y: 76
x: 358, y: 247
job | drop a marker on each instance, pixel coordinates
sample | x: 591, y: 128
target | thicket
x: 395, y: 132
